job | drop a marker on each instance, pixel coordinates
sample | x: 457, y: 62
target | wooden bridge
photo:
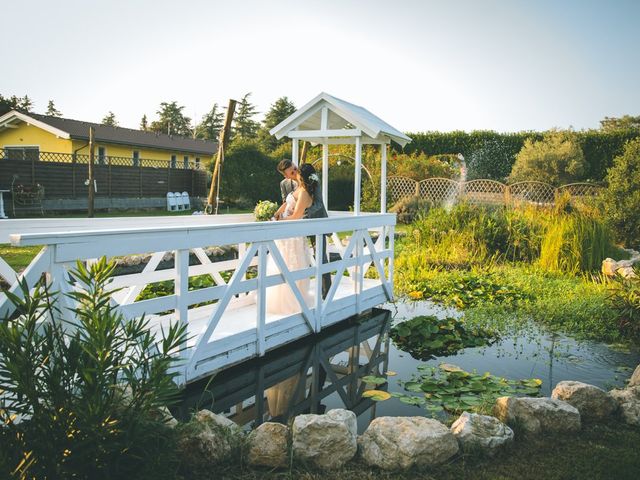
x: 228, y: 322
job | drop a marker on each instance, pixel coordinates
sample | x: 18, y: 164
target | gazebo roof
x: 327, y: 119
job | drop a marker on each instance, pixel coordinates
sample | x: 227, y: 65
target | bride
x: 295, y: 252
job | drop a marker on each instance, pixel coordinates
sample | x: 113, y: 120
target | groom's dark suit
x: 317, y: 210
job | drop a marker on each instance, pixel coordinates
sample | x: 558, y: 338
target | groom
x: 289, y: 172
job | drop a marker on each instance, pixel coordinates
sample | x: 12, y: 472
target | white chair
x: 172, y: 204
x: 179, y: 204
x: 186, y: 203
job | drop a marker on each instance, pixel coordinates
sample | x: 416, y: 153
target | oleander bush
x: 82, y: 391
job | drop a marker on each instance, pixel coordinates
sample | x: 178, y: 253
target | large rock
x: 635, y: 378
x: 534, y: 415
x: 481, y: 433
x: 207, y: 440
x: 325, y: 441
x: 628, y: 400
x: 591, y: 401
x: 396, y: 443
x: 268, y: 446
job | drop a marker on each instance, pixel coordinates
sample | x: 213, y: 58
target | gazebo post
x: 325, y: 175
x: 294, y: 152
x: 358, y: 177
x: 383, y: 178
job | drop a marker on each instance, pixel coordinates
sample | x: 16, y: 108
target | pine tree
x: 244, y: 125
x: 21, y: 104
x: 52, y: 110
x: 211, y: 124
x: 110, y: 119
x: 172, y: 121
x: 143, y: 123
x: 281, y: 109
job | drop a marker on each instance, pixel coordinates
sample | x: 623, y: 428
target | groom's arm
x: 283, y: 190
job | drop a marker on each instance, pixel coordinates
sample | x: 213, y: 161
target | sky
x: 504, y: 65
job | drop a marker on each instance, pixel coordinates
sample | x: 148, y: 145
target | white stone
x: 591, y: 401
x: 483, y: 433
x: 635, y: 378
x: 628, y: 400
x: 325, y: 441
x: 534, y: 415
x: 397, y: 443
x: 268, y: 446
x: 209, y: 441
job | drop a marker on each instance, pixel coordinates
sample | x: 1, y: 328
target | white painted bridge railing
x: 231, y: 320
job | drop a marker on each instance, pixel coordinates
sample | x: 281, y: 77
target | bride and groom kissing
x: 301, y: 198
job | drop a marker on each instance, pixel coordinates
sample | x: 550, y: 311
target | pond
x: 324, y: 371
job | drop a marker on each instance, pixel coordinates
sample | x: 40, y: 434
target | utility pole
x: 214, y: 191
x: 92, y: 192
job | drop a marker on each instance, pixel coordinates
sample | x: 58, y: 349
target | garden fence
x: 65, y: 175
x: 485, y: 191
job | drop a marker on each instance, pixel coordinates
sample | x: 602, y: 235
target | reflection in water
x: 299, y: 377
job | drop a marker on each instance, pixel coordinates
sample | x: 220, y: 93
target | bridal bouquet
x: 265, y: 210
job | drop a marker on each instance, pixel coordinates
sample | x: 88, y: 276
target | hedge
x: 599, y: 147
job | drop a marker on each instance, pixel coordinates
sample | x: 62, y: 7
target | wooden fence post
x: 91, y: 192
x: 140, y: 178
x: 109, y: 173
x: 73, y: 175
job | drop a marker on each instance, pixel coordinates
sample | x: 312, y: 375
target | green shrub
x: 83, y: 399
x: 625, y: 301
x: 492, y: 160
x: 556, y: 159
x: 622, y: 196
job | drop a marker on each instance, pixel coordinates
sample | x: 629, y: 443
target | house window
x: 22, y: 153
x: 197, y: 163
x: 102, y: 155
x: 174, y: 161
x: 136, y: 158
x: 185, y: 162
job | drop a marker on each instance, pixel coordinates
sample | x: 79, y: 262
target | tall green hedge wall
x: 599, y: 147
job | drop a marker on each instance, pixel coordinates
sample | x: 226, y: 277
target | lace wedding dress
x: 294, y: 251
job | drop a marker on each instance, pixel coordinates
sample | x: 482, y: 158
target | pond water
x: 322, y: 372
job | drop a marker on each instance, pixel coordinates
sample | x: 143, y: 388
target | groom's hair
x: 284, y: 164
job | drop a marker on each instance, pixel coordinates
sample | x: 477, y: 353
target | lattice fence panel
x: 400, y: 187
x: 439, y: 190
x: 532, y: 192
x: 580, y: 190
x: 484, y: 191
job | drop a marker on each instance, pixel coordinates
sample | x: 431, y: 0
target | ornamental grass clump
x: 82, y: 388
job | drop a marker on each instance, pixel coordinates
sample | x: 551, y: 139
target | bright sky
x: 506, y: 65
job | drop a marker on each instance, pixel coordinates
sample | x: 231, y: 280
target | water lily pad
x: 373, y: 380
x: 377, y: 395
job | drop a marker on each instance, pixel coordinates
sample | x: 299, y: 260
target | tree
x: 21, y: 104
x: 110, y: 119
x: 626, y: 122
x: 172, y: 121
x: 556, y: 159
x: 622, y: 196
x: 281, y: 109
x: 143, y: 123
x: 211, y: 124
x: 52, y: 110
x: 244, y: 125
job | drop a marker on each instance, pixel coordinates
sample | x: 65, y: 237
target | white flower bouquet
x: 265, y: 210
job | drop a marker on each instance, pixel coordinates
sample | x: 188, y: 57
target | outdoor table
x: 2, y: 214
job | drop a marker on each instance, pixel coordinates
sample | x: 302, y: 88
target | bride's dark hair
x: 309, y: 178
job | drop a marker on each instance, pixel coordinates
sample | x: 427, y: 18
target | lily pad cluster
x: 426, y: 336
x: 451, y: 389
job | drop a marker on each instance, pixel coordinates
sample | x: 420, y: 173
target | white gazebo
x: 230, y: 321
x: 327, y: 120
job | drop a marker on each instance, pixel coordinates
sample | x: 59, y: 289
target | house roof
x: 341, y: 115
x: 79, y: 130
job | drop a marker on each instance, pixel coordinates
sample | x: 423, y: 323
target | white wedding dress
x: 294, y: 251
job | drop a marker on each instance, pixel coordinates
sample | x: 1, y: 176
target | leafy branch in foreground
x: 82, y: 390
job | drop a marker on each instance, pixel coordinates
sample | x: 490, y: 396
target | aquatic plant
x: 451, y: 389
x: 426, y: 336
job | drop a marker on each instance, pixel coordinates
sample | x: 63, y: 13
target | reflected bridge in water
x: 298, y: 377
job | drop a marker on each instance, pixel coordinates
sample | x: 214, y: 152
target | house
x: 29, y: 135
